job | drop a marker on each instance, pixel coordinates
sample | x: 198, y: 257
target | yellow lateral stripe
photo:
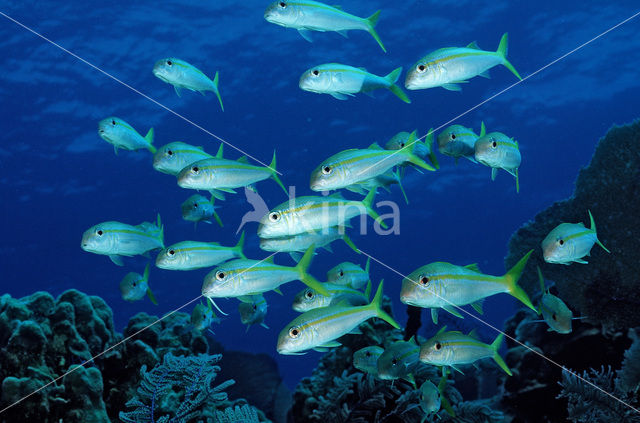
x: 579, y: 234
x: 130, y: 232
x: 330, y: 317
x: 458, y: 56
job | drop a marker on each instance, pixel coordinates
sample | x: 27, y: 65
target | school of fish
x: 300, y: 226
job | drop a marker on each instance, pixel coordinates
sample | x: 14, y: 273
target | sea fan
x: 628, y: 377
x: 191, y: 376
x: 587, y: 403
x: 244, y: 414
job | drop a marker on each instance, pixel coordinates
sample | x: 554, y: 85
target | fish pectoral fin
x: 453, y: 311
x: 115, y: 149
x: 434, y: 315
x: 494, y: 173
x: 178, y: 90
x: 306, y: 34
x: 452, y: 87
x: 581, y: 261
x: 320, y: 349
x: 339, y: 96
x: 229, y: 190
x: 456, y: 369
x: 343, y: 33
x: 330, y: 344
x: 264, y: 325
x: 485, y: 74
x: 116, y: 259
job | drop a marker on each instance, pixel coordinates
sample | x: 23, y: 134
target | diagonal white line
x: 124, y: 340
x: 520, y: 81
x: 86, y: 62
x: 506, y: 335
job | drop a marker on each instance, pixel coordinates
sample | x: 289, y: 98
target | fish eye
x: 494, y: 144
x: 315, y: 72
x: 255, y: 307
x: 367, y: 354
x: 341, y: 273
x: 195, y: 205
x: 438, y: 346
x: 424, y: 280
x: 561, y: 241
x: 171, y: 252
x: 554, y: 317
x: 195, y: 169
x: 452, y: 136
x: 401, y: 145
x: 220, y: 275
x: 421, y: 68
x: 169, y: 62
x: 309, y: 294
x: 134, y: 284
x: 327, y: 170
x: 113, y: 122
x: 394, y: 361
x: 274, y: 217
x: 282, y: 4
x: 99, y: 232
x: 169, y: 153
x: 294, y: 332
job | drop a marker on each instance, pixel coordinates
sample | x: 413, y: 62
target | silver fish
x: 191, y: 255
x: 498, y: 151
x: 181, y: 75
x: 120, y: 134
x: 175, y: 156
x: 349, y: 274
x: 253, y: 310
x: 135, y: 286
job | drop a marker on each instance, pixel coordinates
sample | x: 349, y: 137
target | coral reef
x: 43, y: 338
x: 605, y: 289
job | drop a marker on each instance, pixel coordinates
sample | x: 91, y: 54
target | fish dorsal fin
x: 473, y: 334
x: 243, y: 159
x: 336, y: 6
x: 412, y: 340
x: 441, y: 331
x: 375, y: 146
x: 473, y: 266
x: 473, y: 45
x: 220, y: 151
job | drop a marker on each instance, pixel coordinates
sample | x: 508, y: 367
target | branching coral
x: 190, y: 377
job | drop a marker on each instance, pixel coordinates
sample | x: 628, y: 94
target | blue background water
x: 58, y: 177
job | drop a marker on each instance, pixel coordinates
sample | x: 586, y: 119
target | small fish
x: 349, y: 274
x: 135, y: 286
x: 191, y: 255
x: 341, y: 81
x: 202, y: 317
x: 358, y: 165
x: 458, y: 141
x: 115, y: 239
x: 198, y: 209
x: 570, y: 242
x: 181, y: 74
x: 242, y: 277
x: 399, y: 360
x: 307, y: 15
x: 366, y: 359
x: 226, y: 175
x: 319, y: 328
x: 175, y: 156
x: 308, y: 299
x: 253, y: 310
x: 448, y: 67
x: 120, y: 134
x: 445, y: 285
x: 314, y: 213
x: 554, y: 311
x: 498, y: 151
x: 299, y: 243
x: 454, y: 348
x: 422, y: 149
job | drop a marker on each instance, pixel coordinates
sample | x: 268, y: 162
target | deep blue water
x: 58, y: 177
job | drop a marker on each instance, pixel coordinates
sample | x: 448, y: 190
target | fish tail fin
x: 502, y: 51
x: 350, y: 243
x: 511, y: 280
x: 274, y: 173
x: 151, y: 296
x: 399, y: 179
x: 306, y: 278
x: 441, y: 387
x: 495, y: 345
x: 368, y: 265
x: 368, y: 205
x: 217, y: 91
x: 392, y: 78
x: 593, y: 228
x: 216, y: 216
x: 240, y: 245
x: 149, y: 139
x: 376, y: 306
x: 428, y: 141
x: 160, y: 234
x: 371, y: 23
x: 145, y: 275
x: 413, y: 159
